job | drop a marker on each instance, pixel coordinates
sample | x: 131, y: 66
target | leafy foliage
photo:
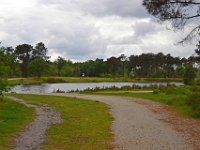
x: 23, y: 53
x: 8, y: 62
x: 40, y: 51
x: 189, y: 75
x: 178, y: 12
x: 3, y: 87
x: 194, y: 101
x: 60, y: 62
x: 37, y: 67
x: 26, y: 53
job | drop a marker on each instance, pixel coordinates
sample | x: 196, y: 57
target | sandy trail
x: 34, y: 134
x: 136, y: 127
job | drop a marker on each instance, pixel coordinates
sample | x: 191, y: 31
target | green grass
x: 177, y: 102
x: 26, y: 81
x: 85, y: 79
x: 13, y: 118
x: 182, y: 99
x: 86, y: 123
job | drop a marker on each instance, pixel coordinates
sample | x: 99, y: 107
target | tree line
x: 32, y: 61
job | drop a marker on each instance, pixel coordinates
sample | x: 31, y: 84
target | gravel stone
x: 34, y: 134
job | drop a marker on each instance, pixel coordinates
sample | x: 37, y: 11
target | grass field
x: 86, y: 123
x: 13, y: 118
x: 177, y: 102
x: 184, y: 99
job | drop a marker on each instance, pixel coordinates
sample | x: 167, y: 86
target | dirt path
x: 136, y: 127
x: 34, y: 134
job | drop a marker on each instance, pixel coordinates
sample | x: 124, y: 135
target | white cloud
x: 127, y: 50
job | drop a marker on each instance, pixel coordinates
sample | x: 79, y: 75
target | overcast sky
x: 87, y: 29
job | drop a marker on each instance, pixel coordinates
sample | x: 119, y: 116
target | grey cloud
x: 76, y: 40
x: 178, y: 51
x: 145, y: 28
x: 140, y: 30
x: 73, y: 36
x: 122, y: 8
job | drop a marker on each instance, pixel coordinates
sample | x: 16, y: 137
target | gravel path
x: 136, y: 127
x: 34, y: 134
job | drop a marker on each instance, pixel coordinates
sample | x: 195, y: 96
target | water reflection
x: 49, y: 88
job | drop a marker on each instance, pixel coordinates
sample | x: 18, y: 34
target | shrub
x: 3, y: 87
x: 59, y: 91
x: 195, y: 88
x: 156, y: 91
x: 170, y: 90
x: 189, y: 75
x: 194, y: 102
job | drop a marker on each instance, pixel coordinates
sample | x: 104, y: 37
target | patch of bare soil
x: 34, y: 134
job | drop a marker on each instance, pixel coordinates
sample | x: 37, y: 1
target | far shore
x: 36, y: 80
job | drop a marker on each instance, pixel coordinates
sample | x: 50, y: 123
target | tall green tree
x: 100, y: 67
x: 190, y: 74
x: 40, y: 50
x: 24, y: 54
x: 113, y: 64
x: 67, y: 69
x: 93, y: 68
x: 88, y: 68
x: 123, y: 64
x: 60, y: 62
x: 146, y: 64
x: 38, y: 67
x: 3, y: 68
x: 8, y: 62
x: 154, y: 65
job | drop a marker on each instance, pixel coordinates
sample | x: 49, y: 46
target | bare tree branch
x: 193, y: 33
x: 179, y: 12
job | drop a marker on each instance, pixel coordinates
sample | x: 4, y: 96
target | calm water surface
x: 49, y: 88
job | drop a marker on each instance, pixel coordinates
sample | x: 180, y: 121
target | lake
x: 49, y: 88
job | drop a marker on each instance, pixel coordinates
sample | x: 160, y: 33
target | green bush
x: 194, y: 102
x: 3, y: 87
x: 195, y: 88
x: 156, y: 91
x: 170, y: 89
x: 190, y: 74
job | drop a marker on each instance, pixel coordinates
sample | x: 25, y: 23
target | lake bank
x: 28, y: 81
x: 66, y: 87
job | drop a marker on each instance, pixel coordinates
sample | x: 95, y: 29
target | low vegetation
x: 13, y: 118
x: 184, y: 99
x: 86, y: 123
x: 3, y: 87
